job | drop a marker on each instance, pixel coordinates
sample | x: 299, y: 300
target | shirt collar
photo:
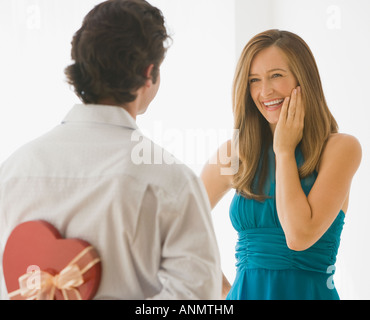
x: 95, y: 113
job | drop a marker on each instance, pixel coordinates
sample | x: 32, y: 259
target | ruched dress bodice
x: 266, y: 267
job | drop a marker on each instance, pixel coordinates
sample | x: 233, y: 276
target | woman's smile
x: 273, y: 105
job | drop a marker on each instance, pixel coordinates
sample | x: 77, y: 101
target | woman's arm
x: 216, y: 176
x: 218, y: 182
x: 305, y: 219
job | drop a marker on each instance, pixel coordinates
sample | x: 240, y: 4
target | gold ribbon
x: 67, y: 280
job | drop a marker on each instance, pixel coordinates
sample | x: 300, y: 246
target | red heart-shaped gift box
x: 37, y: 244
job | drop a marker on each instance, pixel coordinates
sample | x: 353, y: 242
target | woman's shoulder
x: 227, y: 159
x: 225, y: 162
x: 343, y: 142
x: 344, y: 148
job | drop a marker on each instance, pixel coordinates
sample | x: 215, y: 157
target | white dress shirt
x: 150, y: 222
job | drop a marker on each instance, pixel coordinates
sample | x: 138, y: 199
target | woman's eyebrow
x: 272, y: 70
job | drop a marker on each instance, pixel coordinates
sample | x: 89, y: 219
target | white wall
x: 192, y: 114
x: 35, y: 40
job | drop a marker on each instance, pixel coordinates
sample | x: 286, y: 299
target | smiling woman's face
x: 270, y: 81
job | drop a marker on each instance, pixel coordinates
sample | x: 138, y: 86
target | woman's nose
x: 266, y: 89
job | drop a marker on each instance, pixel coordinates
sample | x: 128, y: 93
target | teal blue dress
x: 266, y: 268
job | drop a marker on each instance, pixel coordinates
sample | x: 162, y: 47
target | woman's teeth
x: 273, y: 103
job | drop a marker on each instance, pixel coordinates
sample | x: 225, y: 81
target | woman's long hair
x: 254, y: 132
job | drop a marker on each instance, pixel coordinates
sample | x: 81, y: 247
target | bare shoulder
x: 217, y: 174
x: 228, y: 157
x: 225, y: 156
x: 341, y: 142
x: 342, y: 148
x: 223, y: 164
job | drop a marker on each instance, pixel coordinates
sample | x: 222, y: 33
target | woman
x: 293, y: 178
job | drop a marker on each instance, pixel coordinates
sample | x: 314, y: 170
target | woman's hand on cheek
x: 289, y: 129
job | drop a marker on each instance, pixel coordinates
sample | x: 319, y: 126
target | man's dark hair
x: 117, y: 42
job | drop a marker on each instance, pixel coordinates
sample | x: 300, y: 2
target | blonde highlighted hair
x: 254, y: 132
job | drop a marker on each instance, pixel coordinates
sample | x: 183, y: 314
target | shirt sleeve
x: 190, y: 261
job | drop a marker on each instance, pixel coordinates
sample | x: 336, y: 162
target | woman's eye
x: 253, y: 80
x: 276, y: 75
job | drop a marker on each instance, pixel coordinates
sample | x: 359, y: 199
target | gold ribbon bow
x: 67, y: 280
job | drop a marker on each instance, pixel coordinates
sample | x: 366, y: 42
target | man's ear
x: 148, y: 72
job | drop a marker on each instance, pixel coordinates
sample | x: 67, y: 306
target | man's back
x: 149, y: 222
